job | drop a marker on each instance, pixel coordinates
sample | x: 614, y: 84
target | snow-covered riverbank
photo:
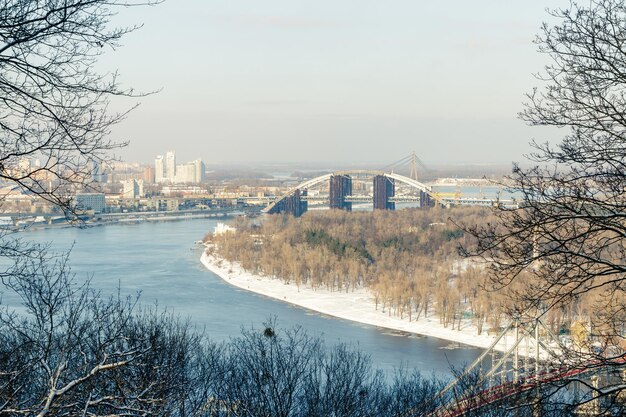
x: 358, y: 306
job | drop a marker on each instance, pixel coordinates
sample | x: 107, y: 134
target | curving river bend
x: 161, y: 260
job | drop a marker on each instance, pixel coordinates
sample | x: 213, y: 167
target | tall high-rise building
x: 199, y: 170
x: 159, y: 169
x: 170, y: 166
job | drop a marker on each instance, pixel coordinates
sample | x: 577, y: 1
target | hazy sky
x: 245, y: 81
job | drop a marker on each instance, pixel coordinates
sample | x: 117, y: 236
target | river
x: 160, y: 260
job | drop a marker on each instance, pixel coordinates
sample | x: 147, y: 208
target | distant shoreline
x: 86, y: 225
x: 357, y: 306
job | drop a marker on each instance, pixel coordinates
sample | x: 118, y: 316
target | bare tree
x: 266, y: 371
x: 287, y: 372
x: 565, y: 247
x: 67, y: 350
x: 70, y: 351
x: 53, y: 104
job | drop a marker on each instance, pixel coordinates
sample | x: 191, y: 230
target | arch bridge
x: 340, y: 192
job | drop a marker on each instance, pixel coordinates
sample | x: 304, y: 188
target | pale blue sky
x: 341, y: 80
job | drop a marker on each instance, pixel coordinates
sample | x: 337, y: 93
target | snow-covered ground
x: 357, y: 306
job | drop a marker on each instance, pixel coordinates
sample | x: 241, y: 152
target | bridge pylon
x: 412, y: 161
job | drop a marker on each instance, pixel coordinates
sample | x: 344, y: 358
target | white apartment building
x: 159, y: 169
x: 166, y: 170
x: 185, y: 173
x: 200, y: 168
x: 170, y: 166
x: 132, y: 188
x: 191, y: 172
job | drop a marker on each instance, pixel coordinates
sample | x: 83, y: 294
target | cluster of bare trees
x: 53, y: 103
x: 567, y: 243
x: 568, y: 238
x: 67, y: 351
x: 408, y: 258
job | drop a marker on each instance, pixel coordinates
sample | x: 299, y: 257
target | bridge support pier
x: 340, y: 187
x: 426, y: 201
x: 293, y: 204
x: 384, y: 189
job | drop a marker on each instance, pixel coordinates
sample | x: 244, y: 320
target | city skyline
x: 166, y: 170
